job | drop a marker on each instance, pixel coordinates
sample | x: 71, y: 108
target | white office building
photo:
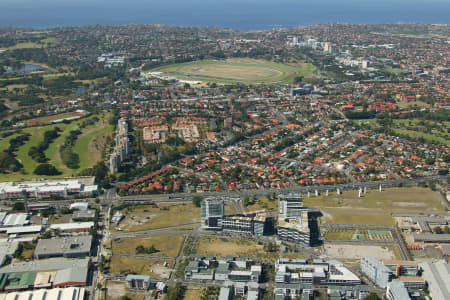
x: 212, y: 212
x: 376, y: 271
x: 437, y: 275
x: 290, y: 205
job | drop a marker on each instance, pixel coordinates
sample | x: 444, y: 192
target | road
x: 186, y: 197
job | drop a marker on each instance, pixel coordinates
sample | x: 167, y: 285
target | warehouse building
x: 72, y: 293
x: 48, y: 188
x: 79, y: 206
x: 437, y: 275
x: 16, y: 220
x: 23, y: 230
x: 72, y: 227
x: 430, y: 238
x: 83, y: 215
x: 7, y: 249
x: 70, y: 247
x: 48, y: 273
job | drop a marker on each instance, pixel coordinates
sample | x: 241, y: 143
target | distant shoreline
x: 40, y: 28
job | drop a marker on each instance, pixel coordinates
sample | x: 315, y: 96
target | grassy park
x: 429, y: 131
x: 89, y: 147
x: 236, y: 70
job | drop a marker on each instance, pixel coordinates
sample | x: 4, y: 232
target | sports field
x: 236, y: 70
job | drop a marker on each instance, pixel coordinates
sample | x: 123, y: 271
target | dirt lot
x: 224, y: 247
x: 115, y: 290
x: 192, y: 294
x: 408, y: 199
x: 142, y: 266
x: 166, y: 245
x: 163, y: 215
x: 58, y: 218
x: 354, y: 252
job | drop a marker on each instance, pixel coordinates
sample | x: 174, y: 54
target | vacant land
x: 28, y: 251
x: 59, y: 218
x: 142, y: 266
x: 225, y: 247
x: 115, y: 291
x: 263, y: 204
x: 408, y: 199
x: 159, y: 216
x: 236, y: 70
x: 166, y: 245
x: 192, y: 294
x: 338, y: 217
x: 354, y: 252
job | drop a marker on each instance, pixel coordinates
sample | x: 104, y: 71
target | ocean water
x: 239, y: 14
